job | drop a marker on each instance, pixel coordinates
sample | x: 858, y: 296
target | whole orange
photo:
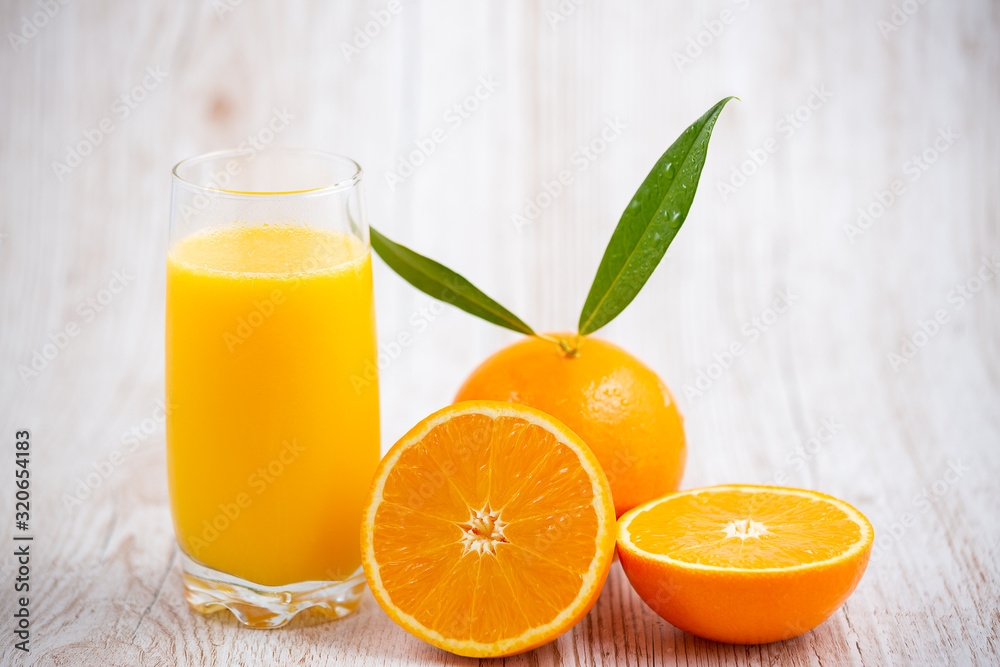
x: 614, y: 402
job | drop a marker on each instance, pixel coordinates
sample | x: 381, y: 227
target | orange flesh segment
x: 745, y: 530
x: 424, y: 537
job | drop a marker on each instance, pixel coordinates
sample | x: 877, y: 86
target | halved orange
x: 489, y: 529
x: 744, y: 564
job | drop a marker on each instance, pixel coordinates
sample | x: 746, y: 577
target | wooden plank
x: 813, y: 400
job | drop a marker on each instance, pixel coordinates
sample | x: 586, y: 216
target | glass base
x: 257, y: 606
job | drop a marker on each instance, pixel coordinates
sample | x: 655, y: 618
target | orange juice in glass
x: 271, y: 375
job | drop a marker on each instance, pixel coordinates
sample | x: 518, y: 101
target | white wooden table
x: 845, y: 106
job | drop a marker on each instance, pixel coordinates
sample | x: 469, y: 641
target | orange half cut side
x: 745, y: 564
x: 489, y: 529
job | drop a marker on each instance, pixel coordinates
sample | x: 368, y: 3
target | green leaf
x: 648, y: 225
x: 442, y: 283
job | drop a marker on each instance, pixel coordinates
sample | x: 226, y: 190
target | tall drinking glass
x: 271, y: 381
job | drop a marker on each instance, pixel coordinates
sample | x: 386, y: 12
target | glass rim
x: 216, y: 191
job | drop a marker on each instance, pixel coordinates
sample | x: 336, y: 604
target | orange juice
x: 273, y: 430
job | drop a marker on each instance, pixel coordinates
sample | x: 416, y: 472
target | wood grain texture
x: 813, y: 400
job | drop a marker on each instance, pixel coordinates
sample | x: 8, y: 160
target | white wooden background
x: 815, y: 399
